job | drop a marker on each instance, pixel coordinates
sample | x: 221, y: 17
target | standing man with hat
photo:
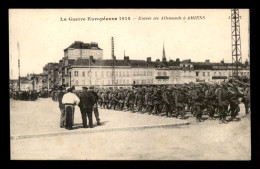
x: 70, y: 100
x: 87, y: 100
x: 95, y: 106
x: 61, y: 106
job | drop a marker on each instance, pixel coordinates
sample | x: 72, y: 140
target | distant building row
x: 83, y: 65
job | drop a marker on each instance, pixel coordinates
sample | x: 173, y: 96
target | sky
x: 42, y: 36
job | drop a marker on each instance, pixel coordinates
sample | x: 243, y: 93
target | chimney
x: 207, y: 61
x: 189, y: 60
x: 91, y: 57
x: 157, y: 60
x: 126, y: 58
x: 177, y: 60
x: 149, y: 59
x: 222, y: 61
x: 246, y: 63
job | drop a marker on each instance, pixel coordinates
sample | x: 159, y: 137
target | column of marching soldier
x: 175, y: 100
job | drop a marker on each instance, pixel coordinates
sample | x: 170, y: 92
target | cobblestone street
x: 141, y: 137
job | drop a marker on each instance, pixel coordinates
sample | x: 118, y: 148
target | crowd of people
x: 31, y: 95
x: 175, y: 100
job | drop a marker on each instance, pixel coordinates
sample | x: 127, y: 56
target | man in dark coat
x: 95, y: 107
x: 61, y: 106
x: 87, y: 101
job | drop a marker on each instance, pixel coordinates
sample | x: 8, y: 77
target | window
x: 107, y: 73
x: 123, y: 74
x: 164, y: 73
x: 102, y: 74
x: 143, y: 81
x: 88, y: 73
x: 197, y: 73
x: 208, y: 73
x: 96, y: 75
x: 215, y: 73
x: 120, y: 81
x: 144, y: 73
x: 134, y: 73
x: 219, y: 73
x: 83, y: 82
x: 83, y: 73
x: 229, y: 73
x: 119, y: 73
x: 203, y: 73
x: 137, y: 73
x: 127, y: 74
x: 76, y: 73
x: 76, y: 82
x: 108, y: 82
x: 223, y: 73
x: 124, y: 81
x: 159, y: 73
x: 127, y: 81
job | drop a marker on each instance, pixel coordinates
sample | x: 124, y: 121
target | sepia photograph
x: 129, y: 84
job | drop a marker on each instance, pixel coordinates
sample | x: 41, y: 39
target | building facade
x: 140, y: 72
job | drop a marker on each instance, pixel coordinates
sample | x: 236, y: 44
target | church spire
x: 164, y: 56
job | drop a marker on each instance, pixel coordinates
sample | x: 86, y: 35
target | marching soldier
x: 100, y: 99
x: 146, y: 100
x: 167, y: 100
x: 157, y: 101
x: 139, y: 99
x: 235, y: 94
x: 246, y: 98
x: 198, y: 97
x: 223, y: 103
x: 131, y: 100
x: 121, y: 100
x: 113, y: 100
x: 179, y: 102
x: 209, y: 96
x: 126, y: 101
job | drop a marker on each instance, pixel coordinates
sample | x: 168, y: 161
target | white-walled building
x: 78, y: 71
x: 141, y: 72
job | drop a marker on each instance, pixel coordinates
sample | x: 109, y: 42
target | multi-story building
x: 81, y: 50
x: 78, y: 50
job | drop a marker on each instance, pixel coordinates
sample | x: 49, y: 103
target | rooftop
x: 82, y: 45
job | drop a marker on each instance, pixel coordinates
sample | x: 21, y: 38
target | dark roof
x: 144, y: 63
x: 131, y: 63
x: 82, y: 45
x: 71, y: 61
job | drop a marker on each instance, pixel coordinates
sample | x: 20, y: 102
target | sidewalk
x: 41, y: 118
